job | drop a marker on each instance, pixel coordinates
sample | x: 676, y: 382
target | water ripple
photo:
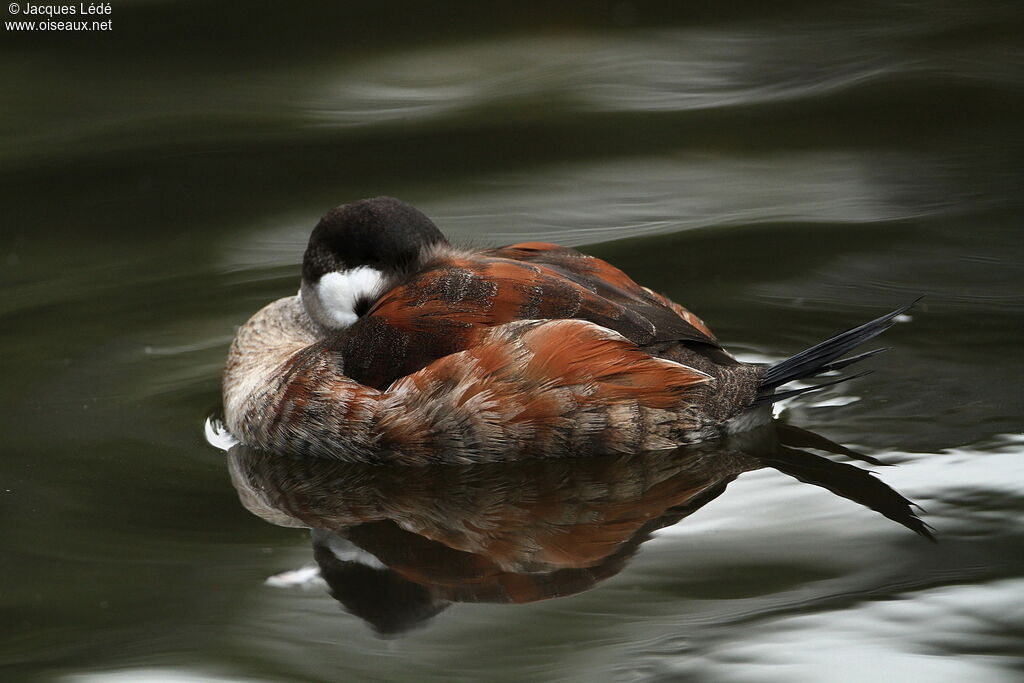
x: 645, y: 71
x: 609, y: 199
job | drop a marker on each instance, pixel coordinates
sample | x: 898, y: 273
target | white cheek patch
x: 339, y: 292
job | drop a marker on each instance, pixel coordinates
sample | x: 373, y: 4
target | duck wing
x: 605, y: 279
x: 443, y: 308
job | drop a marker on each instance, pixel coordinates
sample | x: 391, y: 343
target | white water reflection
x: 642, y: 71
x: 639, y: 71
x: 616, y: 198
x: 517, y: 78
x: 888, y: 625
x: 944, y: 634
x: 155, y: 675
x: 608, y: 199
x: 923, y: 477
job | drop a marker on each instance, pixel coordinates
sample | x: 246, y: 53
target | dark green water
x: 785, y: 170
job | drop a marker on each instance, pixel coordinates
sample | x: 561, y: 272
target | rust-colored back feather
x: 536, y: 388
x: 441, y: 309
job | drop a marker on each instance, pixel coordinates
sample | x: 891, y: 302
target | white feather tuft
x: 339, y: 292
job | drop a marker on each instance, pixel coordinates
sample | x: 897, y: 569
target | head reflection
x: 397, y: 546
x: 377, y: 594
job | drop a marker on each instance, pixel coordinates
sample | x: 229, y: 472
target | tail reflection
x: 396, y: 546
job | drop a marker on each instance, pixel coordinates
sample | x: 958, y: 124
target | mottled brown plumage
x: 522, y: 389
x: 438, y: 310
x: 403, y: 349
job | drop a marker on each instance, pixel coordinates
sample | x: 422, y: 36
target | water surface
x: 785, y: 171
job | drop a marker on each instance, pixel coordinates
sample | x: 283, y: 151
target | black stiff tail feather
x: 823, y: 357
x: 840, y: 364
x: 765, y: 399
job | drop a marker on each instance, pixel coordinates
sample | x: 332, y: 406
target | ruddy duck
x: 403, y: 349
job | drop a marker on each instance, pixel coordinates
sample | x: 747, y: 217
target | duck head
x: 357, y: 252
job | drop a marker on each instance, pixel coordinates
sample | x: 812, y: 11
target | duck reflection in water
x: 397, y: 546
